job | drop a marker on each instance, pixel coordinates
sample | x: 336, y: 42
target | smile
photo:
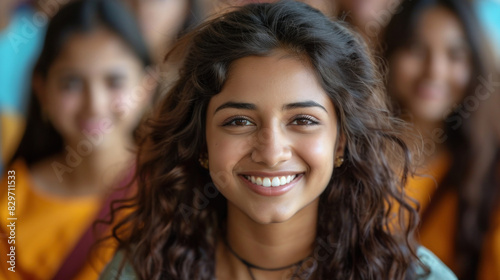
x: 270, y: 181
x: 271, y: 185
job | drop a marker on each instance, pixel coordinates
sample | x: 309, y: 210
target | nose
x: 271, y: 147
x: 436, y: 66
x: 95, y: 100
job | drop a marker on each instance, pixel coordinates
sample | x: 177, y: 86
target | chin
x: 431, y: 117
x: 274, y: 217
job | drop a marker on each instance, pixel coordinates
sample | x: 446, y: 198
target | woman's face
x: 93, y: 89
x: 271, y: 137
x: 430, y: 77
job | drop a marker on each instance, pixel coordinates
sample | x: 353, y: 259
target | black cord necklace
x: 251, y: 265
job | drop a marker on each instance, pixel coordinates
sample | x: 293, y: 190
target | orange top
x: 437, y: 231
x: 11, y: 130
x: 46, y: 230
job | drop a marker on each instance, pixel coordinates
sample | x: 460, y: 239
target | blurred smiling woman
x: 272, y: 158
x: 441, y: 80
x: 78, y: 141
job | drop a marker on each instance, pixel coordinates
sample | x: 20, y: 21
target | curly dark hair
x: 364, y: 214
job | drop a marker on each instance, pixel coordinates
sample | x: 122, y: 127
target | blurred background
x: 77, y: 77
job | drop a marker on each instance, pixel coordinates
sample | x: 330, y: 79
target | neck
x: 100, y: 169
x: 270, y: 245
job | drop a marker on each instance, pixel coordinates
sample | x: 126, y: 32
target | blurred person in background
x: 162, y: 21
x: 213, y: 8
x: 90, y: 90
x: 21, y: 37
x: 369, y: 17
x: 441, y: 80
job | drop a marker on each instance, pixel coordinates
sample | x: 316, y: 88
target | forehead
x: 440, y: 24
x: 94, y: 50
x: 272, y: 81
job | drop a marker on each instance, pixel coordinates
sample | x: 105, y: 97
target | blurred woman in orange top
x: 440, y: 78
x: 90, y: 90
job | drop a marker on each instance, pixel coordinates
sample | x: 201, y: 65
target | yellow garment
x: 12, y: 127
x: 437, y: 231
x: 46, y: 230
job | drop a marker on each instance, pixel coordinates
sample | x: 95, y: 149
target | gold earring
x: 203, y: 159
x: 338, y: 161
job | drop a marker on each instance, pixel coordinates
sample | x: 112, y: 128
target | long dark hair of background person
x: 472, y: 141
x: 40, y: 139
x: 355, y: 208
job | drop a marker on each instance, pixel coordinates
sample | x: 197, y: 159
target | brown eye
x: 417, y: 49
x: 71, y: 84
x: 238, y: 122
x: 305, y: 121
x: 116, y: 81
x: 457, y: 55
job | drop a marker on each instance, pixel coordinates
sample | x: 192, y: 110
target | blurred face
x: 160, y: 20
x: 94, y: 88
x: 431, y: 75
x: 364, y: 12
x: 324, y: 6
x: 271, y: 137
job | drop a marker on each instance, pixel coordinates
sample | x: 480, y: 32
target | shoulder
x: 438, y: 270
x: 118, y: 269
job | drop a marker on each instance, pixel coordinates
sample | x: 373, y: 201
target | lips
x: 431, y: 91
x: 271, y: 184
x: 90, y: 125
x: 267, y: 182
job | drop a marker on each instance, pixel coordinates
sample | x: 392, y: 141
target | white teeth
x: 282, y: 180
x: 272, y: 181
x: 258, y: 181
x: 275, y: 182
x: 266, y: 182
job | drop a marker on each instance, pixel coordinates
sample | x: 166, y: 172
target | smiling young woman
x: 272, y: 157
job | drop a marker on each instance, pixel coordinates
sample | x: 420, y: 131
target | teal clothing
x: 438, y: 270
x: 20, y: 45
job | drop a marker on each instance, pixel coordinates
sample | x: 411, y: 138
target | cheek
x: 460, y: 78
x: 128, y: 105
x: 63, y: 107
x: 318, y: 155
x: 225, y: 151
x: 405, y: 70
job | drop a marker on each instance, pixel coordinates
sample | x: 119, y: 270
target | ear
x: 341, y: 143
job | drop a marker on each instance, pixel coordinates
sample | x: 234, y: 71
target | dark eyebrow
x: 246, y: 106
x: 304, y: 104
